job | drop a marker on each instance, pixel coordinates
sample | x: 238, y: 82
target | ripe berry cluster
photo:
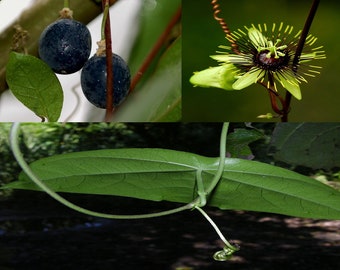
x: 65, y: 46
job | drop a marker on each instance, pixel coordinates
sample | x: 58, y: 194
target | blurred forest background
x: 202, y: 35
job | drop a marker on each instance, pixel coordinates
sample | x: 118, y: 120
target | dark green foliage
x: 314, y: 145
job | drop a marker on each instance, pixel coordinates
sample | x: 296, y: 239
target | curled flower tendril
x: 224, y: 26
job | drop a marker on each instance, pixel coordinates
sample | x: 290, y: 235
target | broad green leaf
x: 159, y: 174
x: 222, y: 76
x: 159, y: 98
x: 238, y: 141
x: 35, y: 85
x: 314, y: 145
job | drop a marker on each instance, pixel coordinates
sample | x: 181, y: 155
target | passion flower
x: 264, y: 56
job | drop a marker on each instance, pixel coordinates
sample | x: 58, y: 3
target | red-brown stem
x: 274, y: 96
x: 224, y: 26
x: 273, y: 102
x: 109, y: 67
x: 159, y: 43
x: 298, y: 52
x: 286, y: 108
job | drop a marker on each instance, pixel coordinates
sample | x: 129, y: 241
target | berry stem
x: 174, y: 20
x: 109, y: 66
x: 66, y: 4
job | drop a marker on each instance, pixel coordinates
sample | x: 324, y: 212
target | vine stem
x: 298, y: 52
x: 106, y: 33
x: 223, y: 143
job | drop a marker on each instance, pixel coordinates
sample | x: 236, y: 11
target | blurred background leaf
x: 314, y: 145
x: 157, y: 96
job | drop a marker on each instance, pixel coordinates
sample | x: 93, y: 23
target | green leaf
x: 159, y: 98
x: 159, y: 174
x: 221, y: 77
x: 314, y: 145
x: 35, y: 85
x: 238, y: 141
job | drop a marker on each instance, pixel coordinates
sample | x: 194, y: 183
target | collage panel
x: 234, y: 195
x: 57, y: 71
x: 185, y: 164
x: 256, y: 41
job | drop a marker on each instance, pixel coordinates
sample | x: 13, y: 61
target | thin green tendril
x: 223, y: 142
x: 228, y: 249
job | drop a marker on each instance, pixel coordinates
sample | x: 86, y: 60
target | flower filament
x: 274, y: 51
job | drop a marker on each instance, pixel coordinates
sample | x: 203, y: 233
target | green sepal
x: 290, y: 83
x: 249, y: 78
x: 220, y: 77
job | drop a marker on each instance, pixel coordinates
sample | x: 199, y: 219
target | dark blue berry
x: 65, y: 46
x: 93, y: 80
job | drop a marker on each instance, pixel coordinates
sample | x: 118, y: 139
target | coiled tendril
x: 224, y: 26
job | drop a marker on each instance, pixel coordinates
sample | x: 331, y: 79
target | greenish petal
x: 252, y: 76
x: 257, y: 38
x: 220, y: 77
x: 289, y: 82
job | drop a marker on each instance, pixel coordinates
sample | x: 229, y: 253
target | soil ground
x: 38, y: 233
